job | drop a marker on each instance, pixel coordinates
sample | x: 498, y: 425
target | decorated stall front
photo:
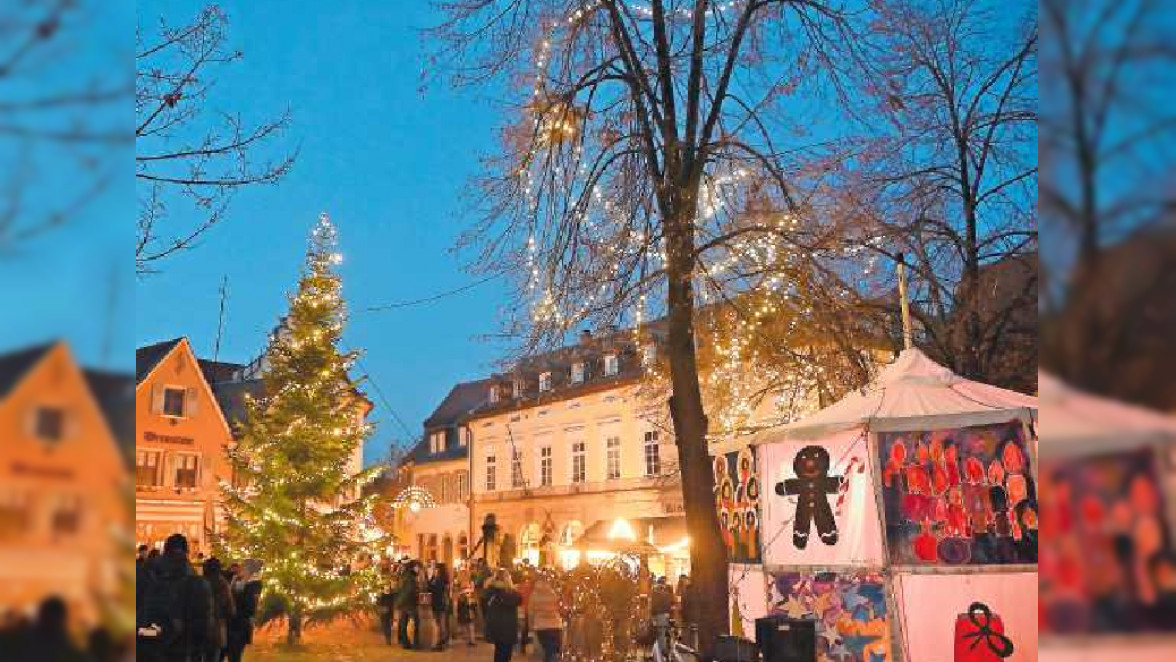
x: 901, y: 521
x: 1108, y: 564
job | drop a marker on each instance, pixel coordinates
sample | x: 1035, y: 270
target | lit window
x: 518, y: 388
x: 579, y: 462
x: 15, y: 514
x: 49, y: 424
x: 648, y: 355
x: 187, y: 467
x: 545, y: 466
x: 516, y: 469
x: 67, y: 515
x: 147, y: 468
x: 173, y: 402
x: 437, y: 442
x: 491, y: 473
x: 463, y: 546
x: 463, y: 486
x: 610, y: 365
x: 578, y: 372
x: 652, y: 454
x: 545, y: 382
x: 613, y: 458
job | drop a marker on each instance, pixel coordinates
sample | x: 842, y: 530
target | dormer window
x: 544, y: 382
x: 578, y: 372
x: 648, y: 355
x: 437, y: 442
x: 611, y: 365
x: 494, y: 394
x: 466, y: 435
x: 518, y: 388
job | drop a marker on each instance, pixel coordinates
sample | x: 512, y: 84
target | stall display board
x: 975, y: 617
x: 1107, y: 562
x: 737, y: 497
x: 959, y: 496
x: 747, y: 591
x: 849, y: 607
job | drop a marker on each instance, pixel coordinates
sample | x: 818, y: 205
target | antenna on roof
x: 220, y: 322
x: 903, y: 302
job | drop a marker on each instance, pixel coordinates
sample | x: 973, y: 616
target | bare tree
x: 1108, y: 140
x: 947, y: 173
x: 186, y: 149
x: 60, y: 132
x: 619, y: 190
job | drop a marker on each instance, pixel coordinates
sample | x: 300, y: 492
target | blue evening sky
x: 387, y: 162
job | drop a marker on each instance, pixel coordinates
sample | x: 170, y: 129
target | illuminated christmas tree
x: 295, y: 502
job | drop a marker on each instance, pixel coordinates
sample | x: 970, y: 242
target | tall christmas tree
x: 295, y: 502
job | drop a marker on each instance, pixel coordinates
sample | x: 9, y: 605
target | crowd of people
x: 46, y: 637
x: 506, y: 607
x: 193, y: 614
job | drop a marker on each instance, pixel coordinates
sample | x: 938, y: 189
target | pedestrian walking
x: 223, y: 610
x: 502, y: 615
x: 467, y: 607
x: 439, y: 590
x: 173, y: 607
x: 408, y: 602
x: 544, y: 617
x: 246, y: 588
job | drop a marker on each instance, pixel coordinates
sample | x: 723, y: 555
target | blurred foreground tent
x: 901, y: 521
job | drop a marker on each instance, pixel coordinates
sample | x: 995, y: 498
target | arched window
x: 463, y: 547
x: 571, y: 533
x: 529, y: 543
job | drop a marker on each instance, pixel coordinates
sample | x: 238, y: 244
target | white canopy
x: 913, y: 393
x: 1076, y: 422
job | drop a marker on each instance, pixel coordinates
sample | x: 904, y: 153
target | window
x: 147, y: 468
x: 610, y: 365
x: 437, y: 442
x: 432, y: 553
x: 518, y: 388
x: 516, y: 469
x: 491, y: 473
x: 463, y: 486
x: 49, y: 424
x: 444, y: 480
x: 14, y: 514
x: 652, y: 454
x: 545, y: 466
x: 494, y: 394
x: 578, y: 372
x: 648, y: 354
x: 186, y: 470
x: 173, y: 402
x: 545, y: 381
x: 613, y: 458
x: 579, y: 463
x: 467, y: 435
x: 67, y: 515
x: 463, y: 546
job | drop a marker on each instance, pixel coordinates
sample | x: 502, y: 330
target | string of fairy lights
x: 559, y: 124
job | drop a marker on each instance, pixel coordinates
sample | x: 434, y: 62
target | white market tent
x: 1077, y: 423
x: 913, y: 393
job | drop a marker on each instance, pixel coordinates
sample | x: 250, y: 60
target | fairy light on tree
x: 295, y: 503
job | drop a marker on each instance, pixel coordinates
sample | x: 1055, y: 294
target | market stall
x: 920, y: 484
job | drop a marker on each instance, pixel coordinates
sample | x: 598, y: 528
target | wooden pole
x: 904, y: 302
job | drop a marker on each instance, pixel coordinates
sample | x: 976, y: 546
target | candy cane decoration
x: 855, y: 463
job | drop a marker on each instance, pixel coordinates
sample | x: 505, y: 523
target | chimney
x: 585, y: 337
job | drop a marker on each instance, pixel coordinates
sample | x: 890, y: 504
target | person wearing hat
x: 173, y: 607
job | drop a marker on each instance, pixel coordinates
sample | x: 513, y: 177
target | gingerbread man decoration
x: 812, y: 486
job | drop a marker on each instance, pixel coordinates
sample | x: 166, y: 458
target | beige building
x: 574, y: 463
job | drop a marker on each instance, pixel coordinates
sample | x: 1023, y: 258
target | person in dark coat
x: 246, y: 589
x: 173, y: 607
x: 223, y: 609
x: 408, y: 597
x: 502, y: 615
x: 439, y: 590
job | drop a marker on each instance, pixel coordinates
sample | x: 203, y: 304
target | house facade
x: 64, y: 486
x: 180, y: 444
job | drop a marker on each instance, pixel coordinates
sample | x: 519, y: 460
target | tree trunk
x: 708, y: 555
x: 294, y: 626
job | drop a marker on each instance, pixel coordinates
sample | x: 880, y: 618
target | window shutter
x: 191, y: 402
x: 157, y: 399
x: 31, y: 422
x: 70, y: 423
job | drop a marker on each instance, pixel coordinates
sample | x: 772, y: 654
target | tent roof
x: 913, y: 393
x: 1077, y: 422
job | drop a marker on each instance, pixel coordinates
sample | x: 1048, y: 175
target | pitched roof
x: 461, y: 400
x: 115, y: 395
x: 14, y: 365
x: 146, y: 358
x: 219, y: 371
x: 230, y: 396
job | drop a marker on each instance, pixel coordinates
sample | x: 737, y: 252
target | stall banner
x: 961, y: 496
x: 737, y: 497
x: 1107, y: 562
x: 849, y: 608
x: 977, y: 617
x: 820, y: 506
x: 748, y: 590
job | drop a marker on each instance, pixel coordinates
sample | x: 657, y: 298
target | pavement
x: 360, y: 641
